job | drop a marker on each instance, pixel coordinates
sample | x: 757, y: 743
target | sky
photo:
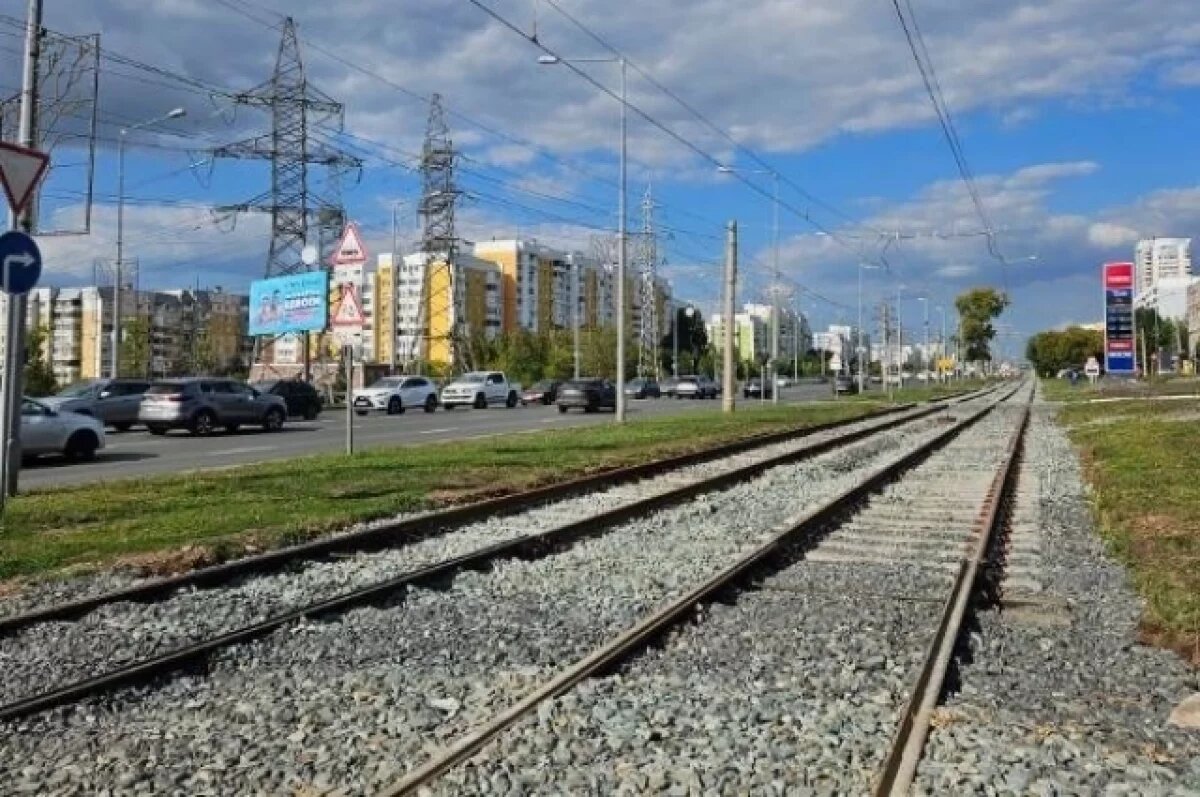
x: 1078, y: 120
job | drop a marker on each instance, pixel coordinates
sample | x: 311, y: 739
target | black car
x: 641, y: 388
x: 543, y: 392
x: 588, y: 395
x: 754, y: 389
x: 302, y: 398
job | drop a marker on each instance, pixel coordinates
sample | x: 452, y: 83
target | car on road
x: 845, y: 384
x: 668, y: 385
x: 696, y: 387
x: 754, y: 388
x: 45, y: 430
x: 302, y: 399
x: 543, y: 392
x: 481, y: 389
x: 114, y: 402
x: 641, y: 388
x: 589, y: 395
x: 203, y: 404
x: 395, y: 394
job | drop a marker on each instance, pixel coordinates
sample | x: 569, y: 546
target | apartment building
x: 186, y: 331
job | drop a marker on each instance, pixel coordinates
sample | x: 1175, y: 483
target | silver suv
x: 113, y: 402
x: 202, y: 404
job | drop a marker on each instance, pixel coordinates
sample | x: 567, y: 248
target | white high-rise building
x: 1161, y: 258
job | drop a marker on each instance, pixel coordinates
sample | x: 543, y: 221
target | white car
x: 48, y: 431
x: 481, y: 389
x: 395, y: 394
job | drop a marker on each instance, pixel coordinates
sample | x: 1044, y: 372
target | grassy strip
x: 1062, y: 390
x: 918, y: 392
x: 274, y: 503
x: 1142, y: 460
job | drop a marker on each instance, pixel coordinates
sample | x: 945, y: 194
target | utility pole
x: 774, y: 291
x: 575, y: 264
x: 439, y: 197
x: 727, y: 386
x: 395, y: 294
x: 13, y: 387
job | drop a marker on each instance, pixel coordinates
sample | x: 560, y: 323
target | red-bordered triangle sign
x: 21, y: 169
x: 350, y: 250
x: 349, y: 310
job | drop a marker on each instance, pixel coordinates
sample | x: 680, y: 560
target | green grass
x: 1061, y: 389
x: 1143, y: 462
x: 917, y: 392
x: 223, y: 513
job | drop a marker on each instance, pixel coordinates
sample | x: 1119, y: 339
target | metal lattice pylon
x: 300, y: 114
x: 439, y: 242
x: 648, y: 329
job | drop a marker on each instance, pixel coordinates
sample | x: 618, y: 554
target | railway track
x: 174, y: 625
x: 820, y: 675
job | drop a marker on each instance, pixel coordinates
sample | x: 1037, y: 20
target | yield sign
x: 21, y: 169
x: 348, y: 309
x: 350, y: 251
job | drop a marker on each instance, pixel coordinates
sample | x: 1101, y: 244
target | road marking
x: 243, y: 450
x: 439, y: 431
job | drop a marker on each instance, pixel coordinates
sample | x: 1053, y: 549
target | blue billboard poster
x: 1119, y: 334
x: 295, y: 303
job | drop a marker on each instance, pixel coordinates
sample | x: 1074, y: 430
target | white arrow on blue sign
x: 20, y: 262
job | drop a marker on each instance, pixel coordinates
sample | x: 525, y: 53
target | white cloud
x: 1106, y: 234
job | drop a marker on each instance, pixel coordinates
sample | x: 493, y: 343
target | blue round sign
x: 20, y: 262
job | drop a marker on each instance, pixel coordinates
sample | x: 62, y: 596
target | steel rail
x: 603, y: 659
x: 530, y: 545
x: 904, y: 753
x: 417, y: 527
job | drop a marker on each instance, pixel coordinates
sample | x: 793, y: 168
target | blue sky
x: 1077, y: 116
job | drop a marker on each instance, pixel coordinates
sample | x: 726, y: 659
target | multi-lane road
x: 137, y: 453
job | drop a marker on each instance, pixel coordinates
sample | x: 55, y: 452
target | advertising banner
x: 1119, y: 356
x: 295, y: 303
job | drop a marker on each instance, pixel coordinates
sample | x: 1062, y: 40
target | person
x: 264, y: 311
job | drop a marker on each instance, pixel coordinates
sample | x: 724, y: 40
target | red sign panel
x: 1118, y: 275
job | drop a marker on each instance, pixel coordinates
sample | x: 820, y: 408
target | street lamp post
x: 115, y: 356
x: 689, y: 312
x: 925, y: 310
x: 774, y: 272
x: 548, y: 60
x: 861, y: 267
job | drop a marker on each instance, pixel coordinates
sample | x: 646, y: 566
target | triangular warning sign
x: 20, y: 171
x: 348, y: 311
x: 350, y: 250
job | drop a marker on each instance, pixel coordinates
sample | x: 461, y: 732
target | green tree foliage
x: 135, y: 347
x: 977, y: 309
x: 39, y: 377
x: 1053, y: 350
x: 1158, y: 332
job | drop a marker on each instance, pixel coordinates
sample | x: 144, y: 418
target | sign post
x: 1120, y: 356
x: 1092, y: 369
x: 20, y: 269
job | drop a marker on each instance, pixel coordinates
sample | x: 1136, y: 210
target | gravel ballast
x: 795, y: 688
x: 1058, y: 697
x: 350, y: 703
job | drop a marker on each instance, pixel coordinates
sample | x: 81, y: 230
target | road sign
x: 20, y: 262
x: 1119, y: 334
x: 1092, y: 369
x: 21, y: 169
x: 350, y: 250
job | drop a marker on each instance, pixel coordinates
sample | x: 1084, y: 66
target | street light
x: 724, y: 169
x: 688, y: 311
x: 861, y: 268
x: 551, y: 60
x: 116, y: 325
x: 924, y: 300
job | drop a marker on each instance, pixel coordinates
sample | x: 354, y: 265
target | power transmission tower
x: 299, y: 113
x: 439, y: 242
x: 648, y: 329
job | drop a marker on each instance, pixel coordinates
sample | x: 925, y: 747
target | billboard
x: 295, y: 303
x: 1119, y: 346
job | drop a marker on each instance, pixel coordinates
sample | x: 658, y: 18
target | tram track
x: 182, y: 629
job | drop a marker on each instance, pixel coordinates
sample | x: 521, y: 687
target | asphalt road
x: 138, y: 453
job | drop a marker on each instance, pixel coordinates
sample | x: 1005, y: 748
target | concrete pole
x: 575, y: 311
x: 727, y: 378
x: 859, y: 349
x: 620, y: 408
x: 774, y: 291
x: 115, y: 352
x: 675, y: 342
x: 14, y: 375
x: 395, y: 294
x: 348, y: 358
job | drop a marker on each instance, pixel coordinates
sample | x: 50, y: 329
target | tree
x: 39, y: 376
x: 135, y: 348
x: 977, y: 308
x: 1053, y: 350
